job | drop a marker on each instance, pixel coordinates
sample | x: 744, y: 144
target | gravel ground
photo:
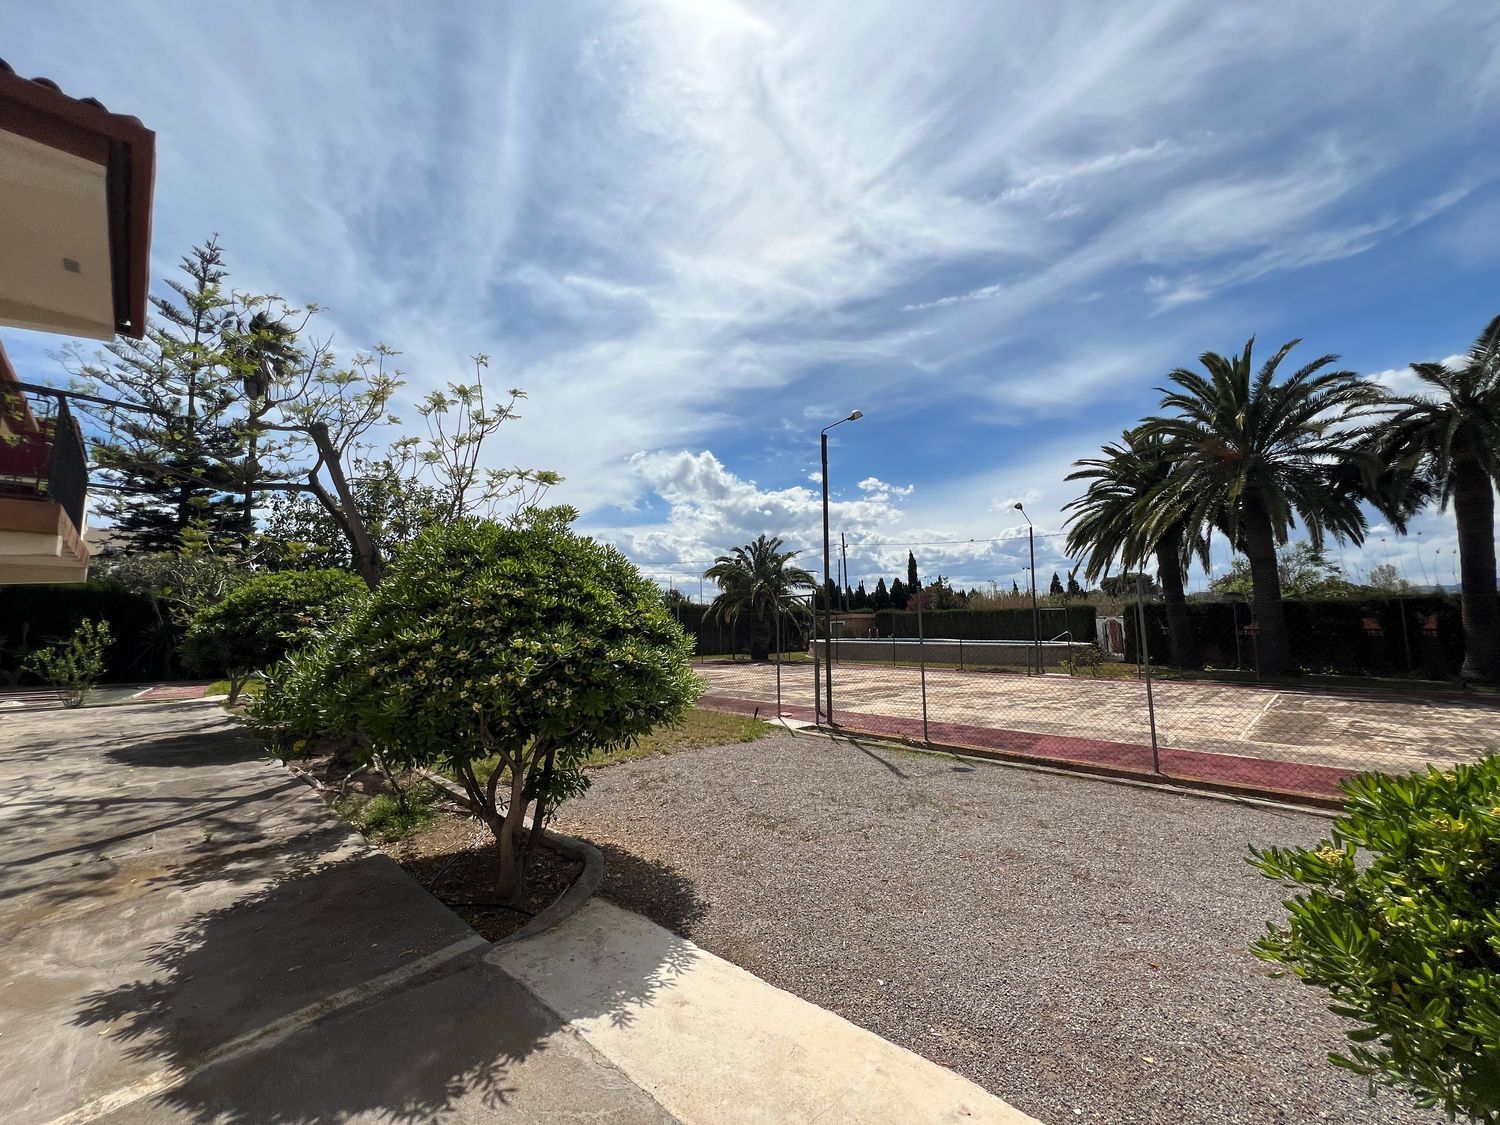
x: 1076, y: 947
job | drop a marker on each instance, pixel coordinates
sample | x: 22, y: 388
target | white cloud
x: 679, y: 225
x: 1404, y: 381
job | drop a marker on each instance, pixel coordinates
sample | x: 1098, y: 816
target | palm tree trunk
x: 1183, y: 648
x: 1274, y: 653
x: 760, y: 638
x: 1474, y: 510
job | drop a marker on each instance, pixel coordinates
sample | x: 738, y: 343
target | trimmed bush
x: 521, y: 642
x: 1397, y: 916
x: 258, y: 624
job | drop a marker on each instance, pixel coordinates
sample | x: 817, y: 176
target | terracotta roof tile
x: 48, y: 84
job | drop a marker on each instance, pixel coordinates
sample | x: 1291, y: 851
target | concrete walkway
x: 715, y: 1044
x: 187, y: 934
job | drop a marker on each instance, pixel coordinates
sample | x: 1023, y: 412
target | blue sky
x: 696, y: 232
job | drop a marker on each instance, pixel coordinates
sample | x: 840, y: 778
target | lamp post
x: 1036, y: 614
x: 853, y: 416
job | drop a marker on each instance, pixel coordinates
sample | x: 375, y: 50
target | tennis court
x: 1297, y: 741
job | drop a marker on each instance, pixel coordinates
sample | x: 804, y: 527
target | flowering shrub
x: 523, y: 642
x: 259, y: 623
x: 1398, y: 917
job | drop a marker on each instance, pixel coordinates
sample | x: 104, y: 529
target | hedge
x: 990, y: 624
x: 145, y: 640
x: 1372, y: 636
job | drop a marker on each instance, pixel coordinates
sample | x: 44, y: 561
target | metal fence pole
x: 960, y: 654
x: 778, y: 659
x: 922, y: 664
x: 817, y: 686
x: 1145, y: 654
x: 1234, y: 615
x: 1405, y: 636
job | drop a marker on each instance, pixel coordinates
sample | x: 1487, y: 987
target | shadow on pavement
x: 232, y: 998
x: 196, y: 748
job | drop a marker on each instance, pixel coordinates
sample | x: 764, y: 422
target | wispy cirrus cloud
x: 705, y: 229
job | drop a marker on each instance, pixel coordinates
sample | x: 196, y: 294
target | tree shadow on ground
x: 282, y: 1005
x: 195, y: 749
x: 650, y: 888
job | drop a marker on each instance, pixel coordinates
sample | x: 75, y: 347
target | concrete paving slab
x: 717, y: 1045
x: 188, y: 933
x: 499, y: 1056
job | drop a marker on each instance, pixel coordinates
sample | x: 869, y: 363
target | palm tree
x: 1450, y: 437
x: 1110, y: 523
x: 1255, y: 456
x: 753, y: 582
x: 260, y: 353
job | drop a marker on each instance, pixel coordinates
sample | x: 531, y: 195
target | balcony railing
x: 41, y: 450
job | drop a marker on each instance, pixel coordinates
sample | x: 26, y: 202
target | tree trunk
x: 510, y: 885
x: 760, y: 639
x: 538, y: 818
x: 1474, y: 510
x: 366, y: 555
x: 1273, y: 651
x: 1181, y: 642
x: 247, y: 500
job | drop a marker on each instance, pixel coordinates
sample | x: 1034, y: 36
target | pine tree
x: 1074, y: 589
x: 881, y: 598
x: 899, y: 595
x: 911, y: 572
x: 861, y: 597
x: 1056, y: 589
x: 1015, y: 588
x: 167, y: 468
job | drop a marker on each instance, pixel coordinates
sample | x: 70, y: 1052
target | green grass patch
x: 251, y: 686
x: 699, y: 728
x: 383, y: 817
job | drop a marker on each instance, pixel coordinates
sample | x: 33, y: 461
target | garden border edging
x: 568, y: 903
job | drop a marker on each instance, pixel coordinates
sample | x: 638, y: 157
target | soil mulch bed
x: 455, y: 858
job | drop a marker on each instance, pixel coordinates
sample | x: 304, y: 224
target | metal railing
x: 41, y: 450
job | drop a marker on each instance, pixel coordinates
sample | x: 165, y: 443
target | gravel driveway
x: 1076, y: 947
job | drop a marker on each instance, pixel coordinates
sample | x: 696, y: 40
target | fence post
x: 778, y: 658
x: 1234, y: 616
x: 817, y: 686
x: 922, y: 664
x: 960, y: 654
x: 1145, y: 654
x: 1411, y: 665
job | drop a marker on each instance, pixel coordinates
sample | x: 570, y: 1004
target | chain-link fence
x: 1205, y: 693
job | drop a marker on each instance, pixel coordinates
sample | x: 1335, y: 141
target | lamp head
x: 856, y: 415
x: 1017, y: 506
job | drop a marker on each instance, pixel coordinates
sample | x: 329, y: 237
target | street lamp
x: 853, y: 416
x: 1036, y: 614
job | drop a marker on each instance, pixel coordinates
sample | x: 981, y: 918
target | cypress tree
x: 898, y: 595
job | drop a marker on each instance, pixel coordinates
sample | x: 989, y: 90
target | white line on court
x: 1259, y: 715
